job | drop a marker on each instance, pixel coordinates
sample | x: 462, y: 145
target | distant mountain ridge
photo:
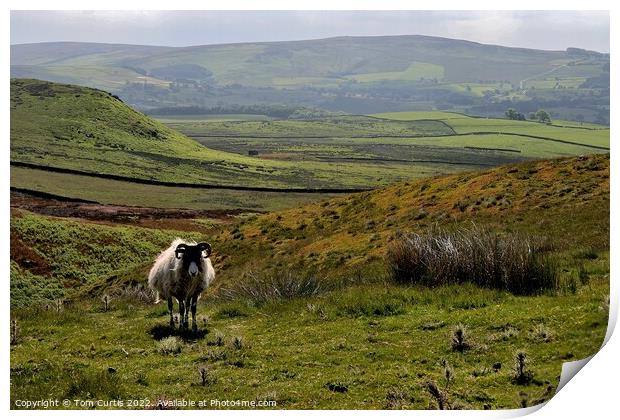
x: 351, y: 74
x: 342, y: 56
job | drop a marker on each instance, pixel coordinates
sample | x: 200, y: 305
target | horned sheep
x: 183, y: 271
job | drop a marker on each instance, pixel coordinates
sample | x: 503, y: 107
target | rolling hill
x: 344, y: 335
x: 341, y: 236
x: 323, y: 61
x: 93, y: 132
x: 352, y: 74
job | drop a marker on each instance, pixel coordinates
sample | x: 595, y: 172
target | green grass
x: 352, y: 74
x: 73, y: 254
x: 111, y: 78
x: 291, y: 352
x: 123, y: 193
x: 340, y: 126
x: 526, y: 147
x: 463, y: 124
x: 339, y: 236
x: 79, y: 128
x: 577, y: 124
x: 84, y: 129
x: 168, y: 119
x: 416, y: 71
x: 418, y: 115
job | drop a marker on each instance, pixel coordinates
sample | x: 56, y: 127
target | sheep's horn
x: 204, y: 246
x: 179, y: 250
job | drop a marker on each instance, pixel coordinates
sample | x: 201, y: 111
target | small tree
x: 511, y: 114
x: 543, y: 116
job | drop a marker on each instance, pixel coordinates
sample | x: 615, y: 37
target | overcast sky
x: 551, y: 30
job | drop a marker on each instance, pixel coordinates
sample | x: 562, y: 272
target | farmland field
x: 109, y: 191
x: 415, y: 71
x: 331, y: 153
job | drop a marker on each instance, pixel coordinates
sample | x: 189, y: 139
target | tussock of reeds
x: 514, y: 262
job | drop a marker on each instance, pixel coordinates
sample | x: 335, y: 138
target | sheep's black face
x: 191, y: 256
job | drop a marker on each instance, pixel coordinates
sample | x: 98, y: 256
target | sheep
x: 183, y: 272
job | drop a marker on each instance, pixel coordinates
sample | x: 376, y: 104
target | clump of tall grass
x: 272, y: 287
x: 514, y: 262
x: 522, y: 375
x: 106, y: 302
x: 441, y: 395
x: 396, y: 398
x: 14, y: 331
x: 460, y: 339
x: 219, y: 339
x: 206, y: 377
x: 136, y: 294
x: 238, y: 343
x: 169, y: 345
x: 542, y: 333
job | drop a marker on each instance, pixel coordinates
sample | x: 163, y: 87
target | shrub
x: 516, y: 263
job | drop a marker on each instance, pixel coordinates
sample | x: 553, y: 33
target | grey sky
x: 552, y: 30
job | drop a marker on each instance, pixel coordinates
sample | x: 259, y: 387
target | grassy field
x: 169, y: 119
x: 415, y: 71
x: 479, y: 89
x: 453, y: 141
x: 122, y: 193
x: 336, y: 236
x: 55, y: 125
x: 342, y: 126
x: 357, y: 341
x: 463, y: 124
x: 366, y: 348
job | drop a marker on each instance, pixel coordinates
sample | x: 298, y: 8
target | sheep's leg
x: 170, y: 309
x: 182, y: 322
x: 188, y: 302
x: 194, y: 323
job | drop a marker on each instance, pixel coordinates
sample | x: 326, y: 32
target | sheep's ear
x: 179, y: 250
x: 205, y: 247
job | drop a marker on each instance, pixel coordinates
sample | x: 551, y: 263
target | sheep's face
x: 191, y: 256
